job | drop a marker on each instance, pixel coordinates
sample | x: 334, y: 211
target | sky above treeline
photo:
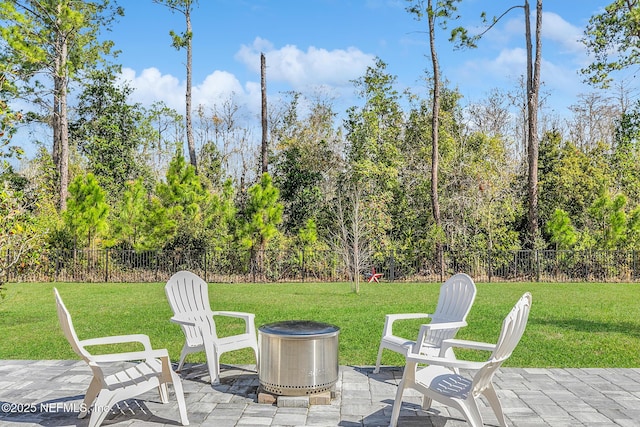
x: 326, y: 44
x: 321, y: 46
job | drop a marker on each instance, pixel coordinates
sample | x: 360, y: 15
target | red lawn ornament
x: 374, y: 277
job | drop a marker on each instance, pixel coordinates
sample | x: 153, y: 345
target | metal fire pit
x: 298, y: 357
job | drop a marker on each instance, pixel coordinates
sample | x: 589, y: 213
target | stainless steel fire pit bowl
x: 298, y: 357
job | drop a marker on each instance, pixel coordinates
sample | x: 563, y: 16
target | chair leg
x: 378, y: 360
x: 164, y: 392
x: 426, y: 402
x: 90, y: 397
x: 105, y: 401
x: 182, y: 406
x: 471, y: 412
x: 183, y: 356
x: 494, y: 402
x: 255, y: 352
x: 397, y: 404
x: 213, y: 364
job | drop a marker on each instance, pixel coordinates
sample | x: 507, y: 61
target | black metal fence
x: 292, y: 266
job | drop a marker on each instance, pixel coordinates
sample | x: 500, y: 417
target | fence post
x: 392, y: 266
x: 157, y: 265
x: 205, y: 266
x: 304, y: 263
x: 304, y: 266
x: 106, y: 266
x: 57, y: 274
x: 537, y: 265
x: 252, y: 266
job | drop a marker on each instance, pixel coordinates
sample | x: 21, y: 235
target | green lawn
x: 571, y: 324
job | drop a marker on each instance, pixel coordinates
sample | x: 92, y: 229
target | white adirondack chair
x: 188, y: 297
x: 153, y: 370
x: 454, y: 303
x: 440, y: 380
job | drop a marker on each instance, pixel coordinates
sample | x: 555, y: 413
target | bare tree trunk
x: 55, y: 126
x: 356, y: 234
x: 64, y: 146
x: 263, y: 85
x: 190, y: 142
x: 356, y: 256
x: 351, y: 238
x: 533, y: 91
x: 60, y: 121
x: 342, y: 238
x: 435, y: 113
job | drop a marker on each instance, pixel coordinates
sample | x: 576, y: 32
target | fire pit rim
x: 299, y: 329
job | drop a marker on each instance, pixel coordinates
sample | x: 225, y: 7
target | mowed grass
x: 571, y: 324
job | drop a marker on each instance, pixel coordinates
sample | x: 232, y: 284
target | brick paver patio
x: 49, y: 393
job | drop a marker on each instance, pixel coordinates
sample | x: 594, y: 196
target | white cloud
x: 556, y: 31
x: 562, y: 55
x: 310, y: 71
x: 152, y: 86
x: 253, y: 97
x: 306, y: 69
x: 559, y: 31
x: 511, y: 61
x: 217, y: 86
x: 507, y: 66
x: 560, y: 79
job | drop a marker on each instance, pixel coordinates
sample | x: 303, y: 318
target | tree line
x: 361, y: 183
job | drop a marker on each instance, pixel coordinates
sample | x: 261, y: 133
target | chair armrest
x: 444, y: 361
x: 119, y: 339
x: 468, y: 344
x: 238, y: 314
x: 249, y: 319
x: 399, y: 316
x: 444, y: 325
x: 390, y: 318
x: 131, y: 356
x: 182, y: 321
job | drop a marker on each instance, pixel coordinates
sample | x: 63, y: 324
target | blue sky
x: 311, y: 44
x: 320, y: 46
